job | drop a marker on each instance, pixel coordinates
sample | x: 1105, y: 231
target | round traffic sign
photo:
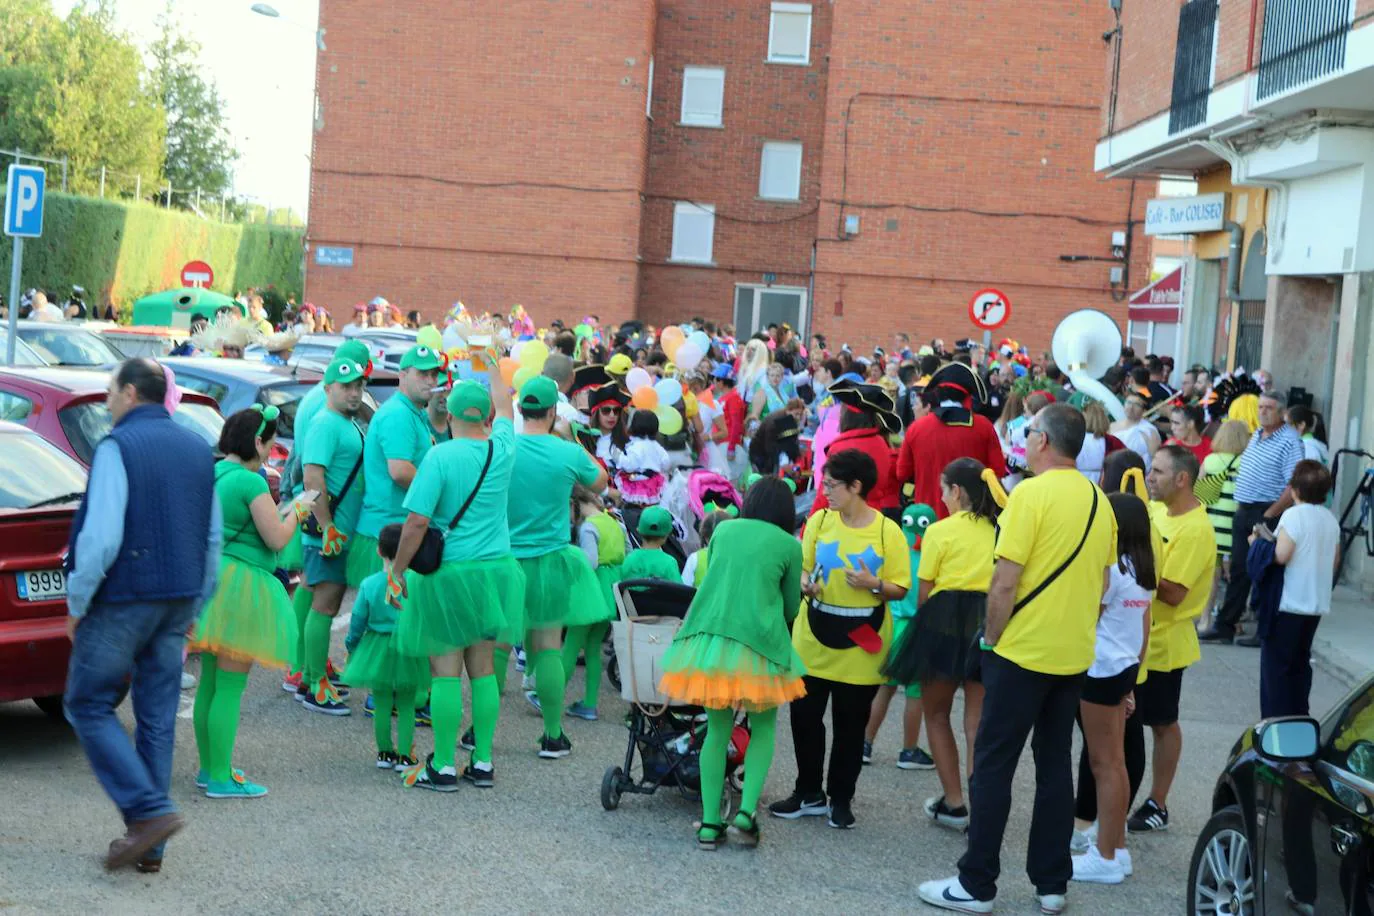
x: 989, y: 309
x: 197, y: 274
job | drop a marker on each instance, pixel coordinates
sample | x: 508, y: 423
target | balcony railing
x: 1197, y: 25
x: 1303, y: 41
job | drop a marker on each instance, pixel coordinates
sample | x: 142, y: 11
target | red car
x: 40, y: 489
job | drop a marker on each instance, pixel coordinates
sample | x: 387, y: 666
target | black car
x: 1292, y: 827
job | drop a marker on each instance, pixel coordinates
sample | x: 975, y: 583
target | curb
x: 1343, y: 667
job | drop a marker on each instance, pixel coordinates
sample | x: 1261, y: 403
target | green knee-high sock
x: 405, y: 723
x: 549, y: 684
x: 719, y: 724
x: 300, y: 603
x: 200, y: 715
x: 573, y: 642
x: 758, y: 758
x: 596, y: 635
x: 382, y: 701
x: 486, y: 706
x: 224, y: 722
x: 446, y: 711
x: 316, y: 646
x: 500, y: 657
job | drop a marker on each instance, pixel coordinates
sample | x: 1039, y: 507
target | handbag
x: 430, y: 553
x: 1208, y: 488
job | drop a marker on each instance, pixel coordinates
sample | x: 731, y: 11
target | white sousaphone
x: 1086, y: 344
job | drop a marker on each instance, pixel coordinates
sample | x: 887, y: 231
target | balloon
x: 532, y: 356
x: 645, y: 398
x: 669, y: 420
x: 522, y: 375
x: 700, y: 341
x: 638, y: 379
x: 672, y: 338
x: 584, y: 330
x: 429, y: 336
x: 669, y: 391
x: 689, y: 356
x: 508, y: 369
x: 671, y: 347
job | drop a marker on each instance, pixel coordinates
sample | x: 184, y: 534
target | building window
x: 780, y: 171
x: 703, y: 94
x: 789, y: 34
x: 694, y: 229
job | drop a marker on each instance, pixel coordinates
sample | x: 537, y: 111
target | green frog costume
x: 603, y: 540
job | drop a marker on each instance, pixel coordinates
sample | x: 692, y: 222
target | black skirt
x: 938, y: 643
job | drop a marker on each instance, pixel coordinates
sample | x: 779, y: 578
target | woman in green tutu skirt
x: 249, y: 618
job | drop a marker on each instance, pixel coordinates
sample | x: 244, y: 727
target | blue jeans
x: 137, y: 645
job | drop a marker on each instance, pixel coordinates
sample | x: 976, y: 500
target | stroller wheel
x: 727, y: 802
x: 610, y: 788
x: 734, y: 781
x: 613, y: 671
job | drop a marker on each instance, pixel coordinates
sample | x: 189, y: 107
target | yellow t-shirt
x: 956, y: 554
x: 1190, y: 559
x: 1041, y: 525
x: 829, y: 548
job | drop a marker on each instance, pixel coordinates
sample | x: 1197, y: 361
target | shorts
x: 1110, y: 691
x: 318, y: 568
x: 1157, y: 698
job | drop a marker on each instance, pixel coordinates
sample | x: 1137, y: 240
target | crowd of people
x: 921, y: 521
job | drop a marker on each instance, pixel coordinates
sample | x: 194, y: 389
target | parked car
x: 24, y: 355
x: 1292, y: 826
x: 69, y: 344
x: 139, y: 340
x: 40, y: 489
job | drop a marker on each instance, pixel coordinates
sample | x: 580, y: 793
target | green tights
x: 317, y: 633
x: 300, y: 603
x: 216, y: 717
x: 383, y: 702
x: 757, y: 759
x: 586, y: 640
x: 446, y: 711
x: 549, y: 685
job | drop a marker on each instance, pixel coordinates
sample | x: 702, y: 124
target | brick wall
x: 1149, y: 34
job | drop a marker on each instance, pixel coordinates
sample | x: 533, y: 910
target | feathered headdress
x: 1225, y: 392
x: 227, y: 331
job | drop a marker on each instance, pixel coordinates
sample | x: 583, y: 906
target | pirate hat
x: 592, y: 376
x: 609, y: 393
x: 960, y: 376
x: 872, y: 399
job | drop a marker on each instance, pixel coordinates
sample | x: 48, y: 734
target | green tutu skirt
x: 607, y: 577
x: 363, y: 560
x: 292, y: 557
x: 721, y: 673
x: 561, y: 590
x: 249, y: 618
x: 376, y: 665
x: 461, y: 604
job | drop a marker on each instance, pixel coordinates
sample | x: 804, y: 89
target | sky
x: 265, y: 70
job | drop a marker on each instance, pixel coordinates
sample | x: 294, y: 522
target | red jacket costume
x: 732, y: 406
x: 886, y: 494
x: 930, y: 445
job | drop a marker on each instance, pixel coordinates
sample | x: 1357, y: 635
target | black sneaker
x: 939, y: 811
x: 425, y: 776
x: 482, y: 779
x: 868, y: 752
x: 795, y: 806
x: 913, y: 758
x: 386, y: 760
x: 1148, y: 818
x: 468, y: 742
x: 405, y: 762
x: 841, y: 817
x: 553, y: 748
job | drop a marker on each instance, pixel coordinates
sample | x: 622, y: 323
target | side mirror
x: 1288, y: 739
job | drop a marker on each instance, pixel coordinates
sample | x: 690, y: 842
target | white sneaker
x: 188, y: 680
x: 1083, y: 839
x: 1124, y: 857
x: 1052, y: 904
x: 949, y: 894
x: 1092, y: 868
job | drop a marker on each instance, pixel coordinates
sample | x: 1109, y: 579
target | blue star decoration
x: 868, y: 560
x: 827, y: 559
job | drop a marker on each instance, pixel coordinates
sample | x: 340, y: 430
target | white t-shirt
x: 1141, y: 439
x: 1307, y: 577
x: 1121, y: 628
x: 1091, y: 457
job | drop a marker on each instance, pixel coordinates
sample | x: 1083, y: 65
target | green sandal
x: 713, y: 842
x: 745, y: 829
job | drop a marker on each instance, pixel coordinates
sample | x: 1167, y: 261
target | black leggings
x: 1085, y: 805
x: 849, y: 708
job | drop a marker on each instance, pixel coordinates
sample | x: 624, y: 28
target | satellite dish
x: 1086, y: 344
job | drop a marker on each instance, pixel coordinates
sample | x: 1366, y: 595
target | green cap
x: 422, y: 358
x: 354, y: 350
x: 344, y: 371
x: 539, y: 393
x: 656, y: 522
x: 469, y: 402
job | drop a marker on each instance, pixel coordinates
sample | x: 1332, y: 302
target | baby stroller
x: 709, y: 487
x: 666, y: 738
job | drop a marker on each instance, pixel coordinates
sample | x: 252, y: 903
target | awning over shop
x: 1161, y: 301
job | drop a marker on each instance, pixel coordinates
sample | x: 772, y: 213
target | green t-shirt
x: 237, y: 487
x: 309, y: 407
x: 399, y: 431
x: 371, y: 611
x: 447, y: 476
x: 650, y: 564
x: 546, y: 468
x: 336, y: 444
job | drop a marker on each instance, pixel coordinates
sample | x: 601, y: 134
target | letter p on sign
x: 24, y: 201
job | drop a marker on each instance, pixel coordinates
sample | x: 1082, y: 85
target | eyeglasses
x: 829, y: 484
x: 269, y: 415
x: 609, y: 410
x: 1036, y: 429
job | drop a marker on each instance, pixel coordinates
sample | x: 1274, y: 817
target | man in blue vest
x: 143, y: 557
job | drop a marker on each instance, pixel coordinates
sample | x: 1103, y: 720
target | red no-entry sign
x: 989, y: 309
x: 197, y: 274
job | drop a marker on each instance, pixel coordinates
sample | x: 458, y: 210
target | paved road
x: 337, y: 836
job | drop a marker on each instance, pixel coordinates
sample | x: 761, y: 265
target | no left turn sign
x: 989, y: 309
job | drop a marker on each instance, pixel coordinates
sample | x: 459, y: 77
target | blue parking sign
x: 24, y: 201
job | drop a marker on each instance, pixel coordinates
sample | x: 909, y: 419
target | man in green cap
x: 561, y: 588
x: 332, y: 460
x: 307, y: 409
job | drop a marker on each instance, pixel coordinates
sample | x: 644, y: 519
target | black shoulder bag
x: 431, y: 550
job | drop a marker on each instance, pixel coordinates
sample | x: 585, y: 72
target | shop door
x: 756, y: 307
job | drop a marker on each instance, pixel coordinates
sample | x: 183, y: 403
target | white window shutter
x: 703, y: 95
x: 780, y: 171
x: 789, y: 33
x: 694, y: 227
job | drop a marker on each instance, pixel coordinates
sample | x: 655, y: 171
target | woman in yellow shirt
x: 937, y: 650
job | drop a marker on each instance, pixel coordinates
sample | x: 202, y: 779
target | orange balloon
x: 509, y: 366
x: 645, y: 398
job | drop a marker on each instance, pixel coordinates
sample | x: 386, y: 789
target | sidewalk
x: 1344, y: 644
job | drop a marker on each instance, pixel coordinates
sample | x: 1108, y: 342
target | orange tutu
x: 719, y: 673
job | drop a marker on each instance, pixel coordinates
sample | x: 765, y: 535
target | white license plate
x: 42, y: 586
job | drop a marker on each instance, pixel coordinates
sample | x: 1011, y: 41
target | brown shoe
x: 148, y: 865
x: 141, y: 837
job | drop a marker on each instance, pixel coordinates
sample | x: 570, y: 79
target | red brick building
x: 857, y: 168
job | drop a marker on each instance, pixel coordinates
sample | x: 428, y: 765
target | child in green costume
x: 602, y: 539
x: 649, y: 561
x: 694, y: 573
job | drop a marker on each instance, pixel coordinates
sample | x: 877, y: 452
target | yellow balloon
x: 429, y: 336
x: 533, y: 353
x: 669, y: 420
x: 522, y: 376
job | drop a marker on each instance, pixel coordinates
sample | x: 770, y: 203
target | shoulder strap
x: 1049, y: 580
x: 473, y: 495
x: 357, y: 466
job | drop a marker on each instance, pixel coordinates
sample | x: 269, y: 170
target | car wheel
x: 1221, y: 878
x: 52, y: 706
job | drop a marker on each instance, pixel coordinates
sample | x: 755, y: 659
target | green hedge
x: 119, y: 251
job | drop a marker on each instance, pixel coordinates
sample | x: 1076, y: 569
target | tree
x: 199, y: 153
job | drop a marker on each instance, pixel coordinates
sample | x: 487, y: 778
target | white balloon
x: 669, y: 391
x: 689, y: 356
x: 637, y: 379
